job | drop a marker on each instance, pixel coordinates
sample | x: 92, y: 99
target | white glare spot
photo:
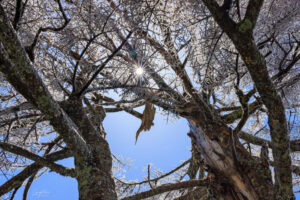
x: 139, y: 71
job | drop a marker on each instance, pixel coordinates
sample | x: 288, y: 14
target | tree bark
x: 239, y: 175
x: 241, y: 34
x: 93, y: 162
x: 94, y: 175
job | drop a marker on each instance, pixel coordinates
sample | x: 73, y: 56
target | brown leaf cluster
x: 147, y: 119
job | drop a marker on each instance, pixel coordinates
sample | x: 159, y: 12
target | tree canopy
x: 230, y: 68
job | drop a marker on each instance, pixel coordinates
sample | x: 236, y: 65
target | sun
x: 139, y: 71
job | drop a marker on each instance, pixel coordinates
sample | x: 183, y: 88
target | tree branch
x: 17, y: 180
x: 40, y: 160
x: 295, y: 144
x: 168, y: 187
x: 20, y: 7
x: 18, y: 70
x: 160, y: 177
x: 196, y: 194
x: 17, y: 108
x: 238, y: 113
x: 103, y: 65
x: 253, y: 9
x: 241, y: 37
x: 30, y: 49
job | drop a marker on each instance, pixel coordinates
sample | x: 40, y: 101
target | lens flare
x: 139, y: 71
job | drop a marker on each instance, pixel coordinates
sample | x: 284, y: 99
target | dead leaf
x: 147, y: 119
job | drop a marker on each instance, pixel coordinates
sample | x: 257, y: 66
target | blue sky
x: 166, y: 145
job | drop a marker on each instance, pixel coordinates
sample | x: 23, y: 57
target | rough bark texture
x: 93, y: 174
x: 91, y: 152
x: 196, y: 194
x: 238, y: 174
x: 241, y: 36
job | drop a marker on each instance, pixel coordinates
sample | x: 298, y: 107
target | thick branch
x: 235, y: 115
x: 17, y: 180
x: 40, y: 160
x: 168, y: 187
x: 13, y: 109
x: 128, y: 110
x: 19, y: 12
x: 295, y: 144
x: 196, y: 194
x: 252, y: 12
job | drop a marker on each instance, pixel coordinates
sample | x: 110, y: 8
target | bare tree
x: 231, y: 68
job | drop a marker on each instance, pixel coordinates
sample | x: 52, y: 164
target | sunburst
x: 139, y: 71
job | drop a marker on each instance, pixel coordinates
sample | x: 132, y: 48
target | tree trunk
x: 236, y: 174
x: 241, y: 35
x: 94, y: 181
x: 94, y: 174
x: 93, y: 161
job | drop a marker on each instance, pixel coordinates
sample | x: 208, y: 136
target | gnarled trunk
x: 236, y: 174
x: 241, y: 34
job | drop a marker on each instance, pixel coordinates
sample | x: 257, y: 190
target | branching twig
x: 30, y: 49
x: 47, y: 163
x: 103, y: 65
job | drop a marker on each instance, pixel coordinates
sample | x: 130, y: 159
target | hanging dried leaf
x: 147, y: 119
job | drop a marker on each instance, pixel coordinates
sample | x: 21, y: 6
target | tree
x: 230, y: 68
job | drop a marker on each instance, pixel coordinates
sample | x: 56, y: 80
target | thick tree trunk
x: 94, y: 181
x: 94, y: 174
x: 236, y: 173
x: 93, y: 162
x: 241, y: 35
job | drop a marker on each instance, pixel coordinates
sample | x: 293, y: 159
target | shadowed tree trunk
x: 237, y: 175
x: 91, y: 152
x: 93, y: 173
x: 241, y: 36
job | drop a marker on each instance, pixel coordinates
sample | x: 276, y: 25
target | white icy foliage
x: 183, y: 28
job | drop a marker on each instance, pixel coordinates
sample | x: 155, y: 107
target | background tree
x: 230, y: 68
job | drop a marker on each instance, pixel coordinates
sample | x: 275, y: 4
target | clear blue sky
x: 166, y: 145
